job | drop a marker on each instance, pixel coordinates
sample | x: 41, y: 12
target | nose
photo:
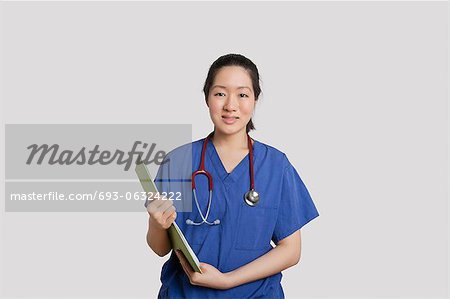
x: 231, y: 104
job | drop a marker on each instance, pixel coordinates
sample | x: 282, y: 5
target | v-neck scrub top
x: 244, y: 232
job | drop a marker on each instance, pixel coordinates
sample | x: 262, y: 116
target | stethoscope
x: 251, y: 197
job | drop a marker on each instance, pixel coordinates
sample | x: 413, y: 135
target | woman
x: 233, y: 243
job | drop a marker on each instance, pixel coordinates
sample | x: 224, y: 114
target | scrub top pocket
x: 256, y: 225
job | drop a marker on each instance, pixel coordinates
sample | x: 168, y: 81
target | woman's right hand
x: 162, y: 212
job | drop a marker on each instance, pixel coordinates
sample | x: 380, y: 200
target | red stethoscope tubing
x: 202, y: 170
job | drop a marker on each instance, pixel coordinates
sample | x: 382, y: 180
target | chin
x: 229, y: 130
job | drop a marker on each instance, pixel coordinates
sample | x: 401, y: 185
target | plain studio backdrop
x: 355, y: 93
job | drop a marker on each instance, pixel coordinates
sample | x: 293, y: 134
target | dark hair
x: 234, y: 60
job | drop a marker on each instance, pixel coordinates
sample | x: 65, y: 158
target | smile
x: 229, y: 120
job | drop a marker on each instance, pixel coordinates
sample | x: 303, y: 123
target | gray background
x: 354, y: 93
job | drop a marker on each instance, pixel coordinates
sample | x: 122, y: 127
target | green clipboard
x: 176, y: 236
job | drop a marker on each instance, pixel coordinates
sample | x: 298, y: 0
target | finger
x: 170, y: 219
x: 203, y: 266
x: 180, y: 256
x: 158, y: 199
x: 157, y: 202
x: 165, y: 210
x: 183, y: 263
x: 186, y: 264
x: 164, y: 205
x: 158, y: 211
x: 153, y: 206
x: 169, y: 211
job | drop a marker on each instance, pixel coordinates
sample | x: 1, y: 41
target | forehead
x: 233, y: 77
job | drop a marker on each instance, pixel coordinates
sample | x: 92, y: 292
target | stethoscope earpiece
x: 190, y: 222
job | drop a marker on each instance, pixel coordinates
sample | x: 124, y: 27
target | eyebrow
x: 224, y: 87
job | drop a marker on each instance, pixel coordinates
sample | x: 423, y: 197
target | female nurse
x: 234, y: 247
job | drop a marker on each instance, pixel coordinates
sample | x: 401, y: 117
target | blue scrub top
x: 244, y: 232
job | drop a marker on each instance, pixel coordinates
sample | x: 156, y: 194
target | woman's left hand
x: 211, y: 277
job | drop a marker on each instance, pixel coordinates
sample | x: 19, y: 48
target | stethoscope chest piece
x: 251, y: 198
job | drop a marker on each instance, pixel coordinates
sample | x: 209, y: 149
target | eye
x: 219, y: 94
x: 243, y: 95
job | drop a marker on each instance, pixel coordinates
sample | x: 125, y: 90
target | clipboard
x: 176, y: 236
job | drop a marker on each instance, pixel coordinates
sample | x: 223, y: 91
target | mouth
x: 229, y: 119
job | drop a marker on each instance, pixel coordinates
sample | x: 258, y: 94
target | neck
x: 233, y: 141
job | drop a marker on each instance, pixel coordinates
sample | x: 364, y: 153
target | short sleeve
x: 296, y: 206
x: 162, y: 178
x: 173, y: 178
